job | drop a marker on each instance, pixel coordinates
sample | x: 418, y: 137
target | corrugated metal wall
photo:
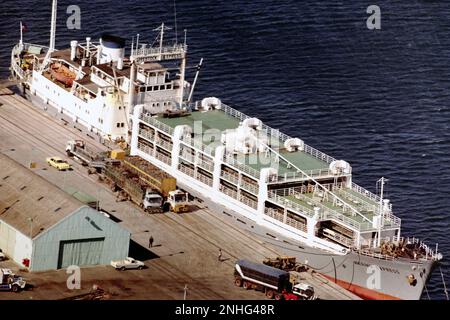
x: 81, y: 227
x: 14, y: 244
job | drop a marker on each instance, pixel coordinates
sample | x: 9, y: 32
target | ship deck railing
x: 229, y: 159
x: 158, y: 124
x: 367, y: 248
x: 230, y: 177
x: 197, y: 143
x: 271, y: 132
x: 175, y: 49
x: 367, y: 194
x: 249, y: 187
x: 296, y: 176
x: 290, y: 205
x: 296, y: 200
x: 208, y: 166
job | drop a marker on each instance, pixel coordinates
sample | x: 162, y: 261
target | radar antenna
x: 161, y: 29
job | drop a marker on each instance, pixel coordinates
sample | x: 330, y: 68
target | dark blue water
x: 378, y: 99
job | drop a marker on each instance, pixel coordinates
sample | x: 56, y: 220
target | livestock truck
x: 275, y: 283
x: 146, y: 185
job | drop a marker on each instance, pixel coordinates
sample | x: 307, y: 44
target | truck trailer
x: 146, y: 185
x: 275, y: 283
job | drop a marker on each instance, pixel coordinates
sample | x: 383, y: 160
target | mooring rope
x: 443, y: 282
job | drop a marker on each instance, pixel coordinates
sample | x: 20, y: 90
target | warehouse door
x: 80, y: 252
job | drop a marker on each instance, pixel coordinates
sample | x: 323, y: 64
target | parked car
x: 2, y: 255
x: 58, y: 163
x: 127, y: 263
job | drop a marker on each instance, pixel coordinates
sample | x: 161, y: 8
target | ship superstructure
x: 277, y: 181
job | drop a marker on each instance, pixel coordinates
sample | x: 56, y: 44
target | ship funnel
x: 112, y: 48
x: 73, y: 49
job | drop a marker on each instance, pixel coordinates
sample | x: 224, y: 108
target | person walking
x: 150, y: 242
x: 220, y: 255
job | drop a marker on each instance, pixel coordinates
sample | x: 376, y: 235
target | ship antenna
x: 161, y: 37
x: 175, y: 16
x: 137, y: 42
x: 53, y: 26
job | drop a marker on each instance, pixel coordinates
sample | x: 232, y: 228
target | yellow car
x: 58, y: 163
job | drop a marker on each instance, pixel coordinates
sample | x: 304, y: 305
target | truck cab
x: 304, y: 291
x: 10, y: 282
x: 153, y: 202
x: 178, y: 201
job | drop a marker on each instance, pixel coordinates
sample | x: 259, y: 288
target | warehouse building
x: 44, y: 228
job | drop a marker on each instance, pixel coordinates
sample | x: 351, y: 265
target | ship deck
x: 352, y: 206
x: 214, y: 122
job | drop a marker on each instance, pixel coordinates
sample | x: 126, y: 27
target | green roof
x: 219, y: 120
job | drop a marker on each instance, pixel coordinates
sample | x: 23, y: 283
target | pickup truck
x: 127, y: 263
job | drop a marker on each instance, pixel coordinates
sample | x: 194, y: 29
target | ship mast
x: 53, y: 26
x: 382, y: 181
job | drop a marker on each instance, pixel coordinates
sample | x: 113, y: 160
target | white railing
x: 147, y: 135
x: 155, y: 123
x: 186, y: 170
x: 318, y: 154
x: 276, y: 133
x: 204, y: 179
x: 185, y: 155
x: 163, y: 158
x: 145, y: 148
x: 231, y: 193
x: 290, y: 204
x: 151, y: 51
x: 275, y: 214
x: 164, y: 144
x: 208, y: 166
x: 358, y: 201
x: 249, y: 187
x: 197, y: 143
x: 249, y: 202
x: 242, y: 167
x: 296, y: 224
x: 18, y: 70
x: 341, y: 239
x: 230, y: 177
x: 296, y: 176
x: 394, y: 220
x: 367, y: 193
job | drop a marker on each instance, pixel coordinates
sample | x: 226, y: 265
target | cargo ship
x: 301, y: 200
